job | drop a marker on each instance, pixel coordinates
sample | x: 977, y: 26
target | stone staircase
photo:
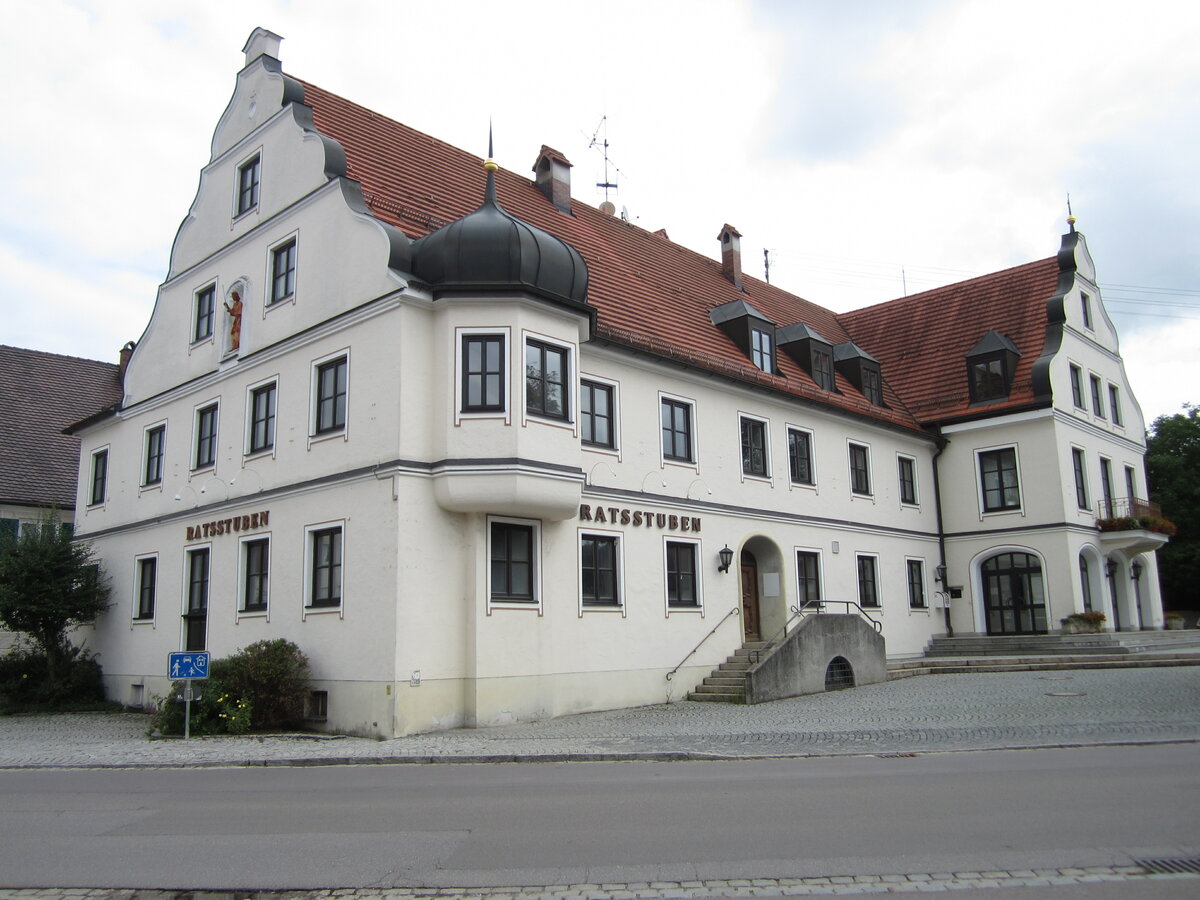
x: 727, y: 683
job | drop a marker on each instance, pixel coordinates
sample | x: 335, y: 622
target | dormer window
x: 861, y: 369
x: 990, y: 367
x: 750, y: 330
x: 810, y: 351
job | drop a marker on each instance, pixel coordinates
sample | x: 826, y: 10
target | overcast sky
x: 874, y: 146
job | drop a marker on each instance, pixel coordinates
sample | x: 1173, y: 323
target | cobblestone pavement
x: 928, y: 713
x: 931, y: 882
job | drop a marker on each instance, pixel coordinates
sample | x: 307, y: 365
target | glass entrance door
x: 1013, y: 595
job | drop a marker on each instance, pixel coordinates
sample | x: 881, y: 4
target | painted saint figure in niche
x: 235, y: 321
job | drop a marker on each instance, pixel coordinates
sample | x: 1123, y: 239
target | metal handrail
x: 756, y: 655
x: 736, y: 611
x: 816, y: 608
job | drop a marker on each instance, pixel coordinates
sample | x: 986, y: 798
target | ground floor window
x: 598, y: 555
x: 196, y: 612
x: 868, y: 581
x: 512, y: 552
x: 682, y: 582
x: 916, y: 583
x: 256, y: 555
x: 808, y: 572
x: 325, y: 567
x: 147, y: 586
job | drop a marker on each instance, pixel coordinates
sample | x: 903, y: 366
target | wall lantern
x: 1111, y: 567
x: 1135, y: 570
x: 726, y: 559
x: 939, y: 574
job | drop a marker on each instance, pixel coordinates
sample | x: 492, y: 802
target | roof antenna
x: 1070, y: 215
x: 904, y: 281
x: 607, y: 183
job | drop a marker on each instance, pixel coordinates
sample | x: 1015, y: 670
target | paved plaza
x: 925, y: 714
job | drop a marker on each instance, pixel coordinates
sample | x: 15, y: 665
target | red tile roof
x: 922, y: 341
x: 651, y: 294
x: 41, y: 394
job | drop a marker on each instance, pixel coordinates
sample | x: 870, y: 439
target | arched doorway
x: 750, y: 617
x: 1013, y: 595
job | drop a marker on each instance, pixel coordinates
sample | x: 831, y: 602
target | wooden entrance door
x: 750, y: 597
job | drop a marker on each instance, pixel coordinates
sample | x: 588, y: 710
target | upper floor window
x: 1077, y: 462
x: 860, y: 469
x: 1077, y: 387
x: 1085, y: 307
x: 1130, y: 483
x: 682, y: 583
x: 677, y: 430
x: 1097, y: 396
x: 156, y: 439
x: 596, y: 414
x: 147, y: 586
x: 512, y: 562
x: 546, y: 374
x: 483, y: 373
x: 99, y: 489
x: 248, y: 176
x: 800, y: 465
x: 762, y: 350
x: 998, y: 477
x: 283, y: 271
x: 1114, y: 404
x: 599, y: 581
x: 916, y: 583
x: 330, y: 409
x: 206, y: 437
x: 754, y: 447
x: 262, y: 418
x: 908, y: 479
x: 868, y: 581
x: 206, y: 301
x: 822, y: 367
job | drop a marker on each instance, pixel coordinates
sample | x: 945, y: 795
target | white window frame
x: 247, y: 450
x: 1080, y: 453
x: 535, y: 580
x: 866, y: 554
x: 984, y: 512
x: 1096, y: 395
x: 870, y: 494
x: 621, y: 605
x: 269, y: 303
x: 768, y: 477
x: 137, y: 589
x: 194, y: 450
x: 308, y: 609
x: 915, y: 503
x: 193, y: 341
x: 185, y: 591
x: 237, y: 184
x: 1074, y: 369
x: 92, y: 501
x: 1086, y: 311
x: 698, y: 546
x: 457, y: 376
x: 1115, y: 414
x: 243, y: 572
x: 924, y: 585
x: 313, y: 386
x: 144, y: 485
x: 615, y: 388
x: 812, y: 456
x: 797, y: 549
x: 570, y: 382
x: 694, y: 462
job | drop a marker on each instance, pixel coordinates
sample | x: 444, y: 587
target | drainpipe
x: 937, y: 505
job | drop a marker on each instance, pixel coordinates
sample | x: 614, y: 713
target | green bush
x: 259, y: 688
x: 25, y: 684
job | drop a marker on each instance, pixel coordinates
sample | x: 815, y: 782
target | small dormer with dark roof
x: 811, y: 352
x: 861, y: 369
x: 752, y: 331
x: 990, y: 367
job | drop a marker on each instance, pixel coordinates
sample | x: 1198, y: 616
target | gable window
x: 754, y: 447
x: 147, y: 587
x: 596, y: 414
x: 256, y: 558
x: 1114, y: 404
x: 800, y: 465
x: 1097, y: 397
x: 808, y: 572
x: 546, y: 380
x: 156, y: 439
x: 206, y: 437
x: 330, y: 405
x: 676, y: 430
x: 483, y: 373
x: 206, y: 302
x: 262, y: 418
x: 860, y: 470
x: 916, y: 583
x: 998, y: 475
x: 1077, y: 461
x: 762, y: 350
x: 598, y: 570
x: 682, y: 588
x: 325, y: 567
x: 1085, y: 307
x: 512, y: 562
x: 283, y: 271
x: 908, y: 480
x: 248, y: 175
x: 868, y: 582
x: 822, y: 367
x: 1077, y: 387
x: 99, y: 488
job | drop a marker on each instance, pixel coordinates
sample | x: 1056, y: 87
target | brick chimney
x: 123, y: 364
x: 731, y: 254
x: 552, y: 174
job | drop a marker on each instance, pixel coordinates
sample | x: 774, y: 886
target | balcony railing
x: 1133, y: 507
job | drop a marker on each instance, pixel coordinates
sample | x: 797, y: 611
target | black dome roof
x: 490, y: 249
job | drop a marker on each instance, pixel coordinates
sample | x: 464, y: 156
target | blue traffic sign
x: 187, y: 666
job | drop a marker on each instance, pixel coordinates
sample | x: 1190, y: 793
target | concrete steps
x: 727, y: 683
x: 992, y: 662
x: 1122, y: 642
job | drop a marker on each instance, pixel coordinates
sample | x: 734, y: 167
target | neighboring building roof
x: 922, y: 341
x: 41, y: 394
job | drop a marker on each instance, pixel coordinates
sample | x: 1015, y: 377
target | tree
x: 48, y: 584
x: 1173, y: 471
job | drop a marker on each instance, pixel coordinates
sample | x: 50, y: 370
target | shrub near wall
x: 260, y: 688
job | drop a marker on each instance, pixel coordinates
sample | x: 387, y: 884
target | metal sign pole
x: 187, y: 710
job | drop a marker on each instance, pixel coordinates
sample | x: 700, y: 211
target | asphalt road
x: 571, y: 823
